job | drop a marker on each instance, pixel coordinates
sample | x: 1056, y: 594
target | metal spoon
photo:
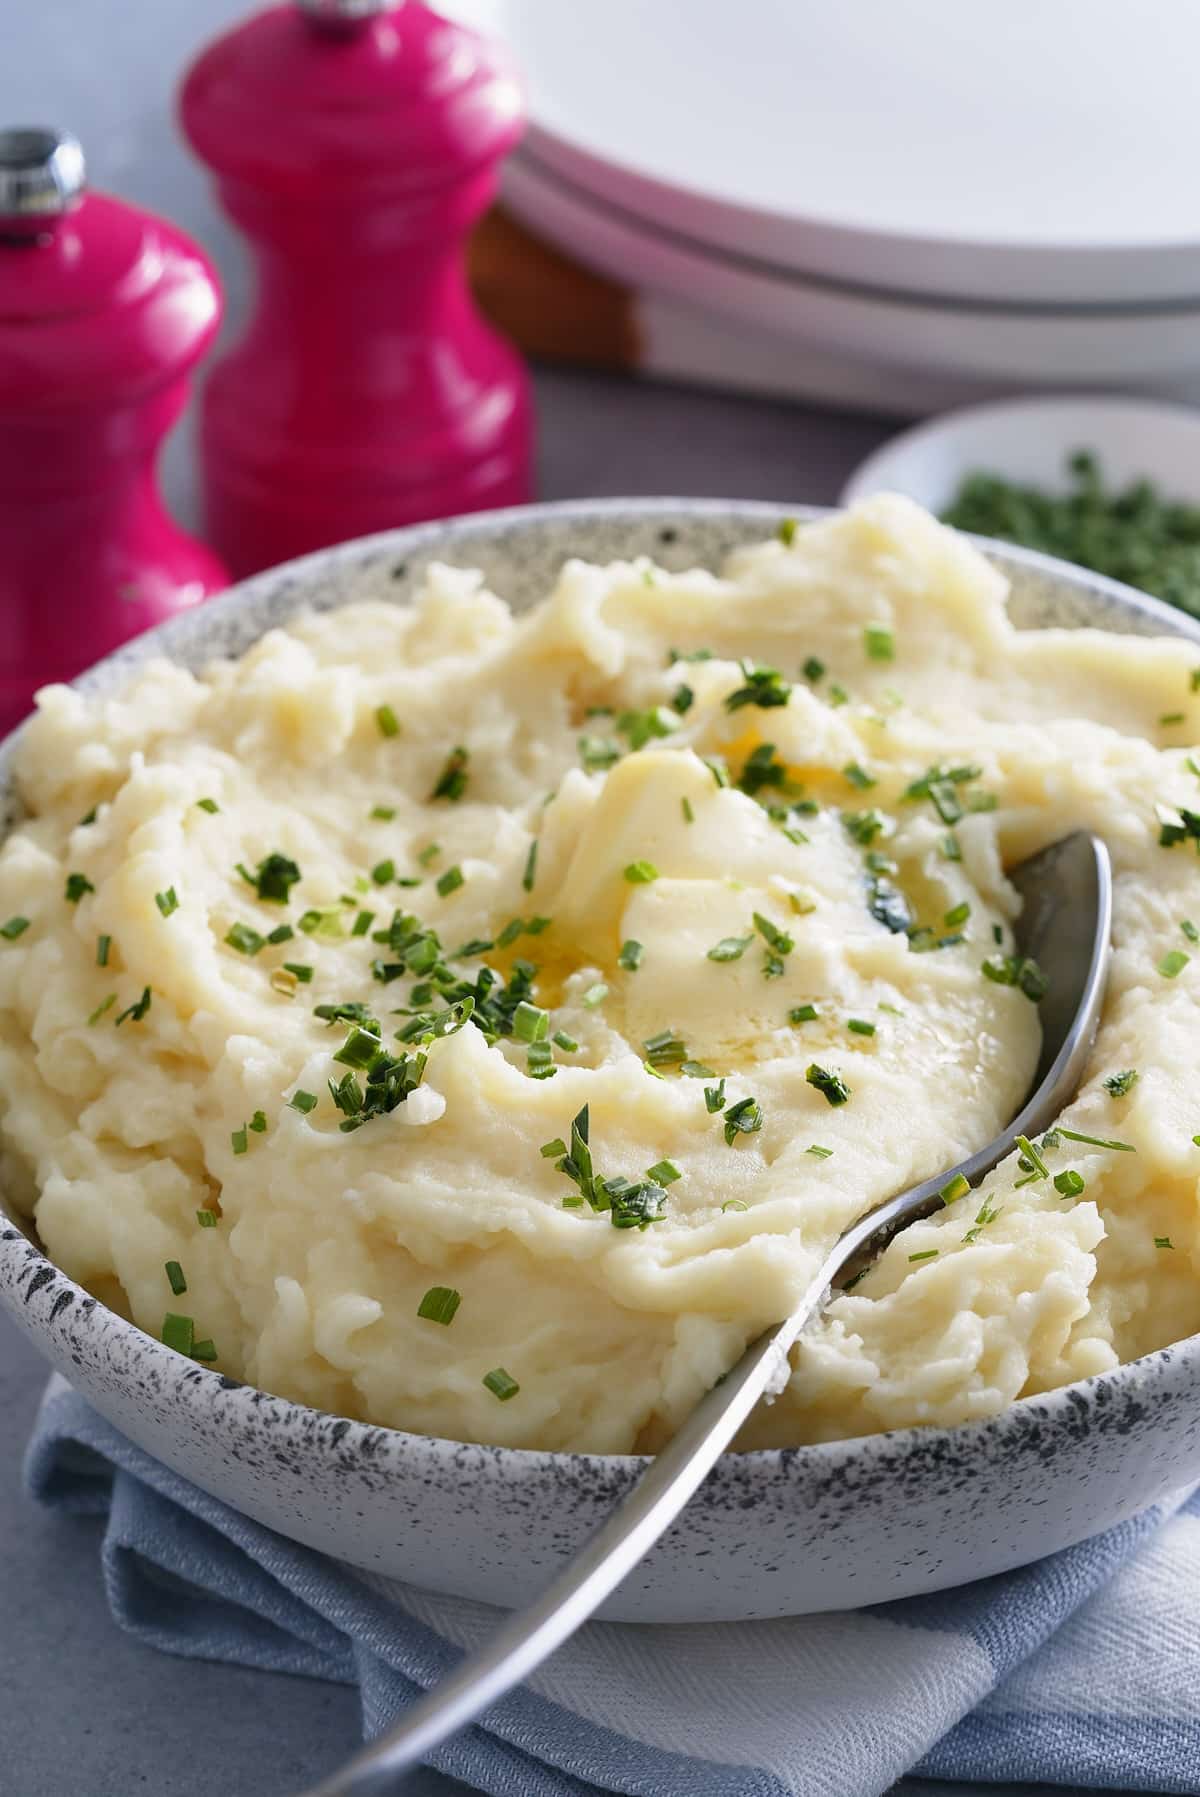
x: 1065, y: 925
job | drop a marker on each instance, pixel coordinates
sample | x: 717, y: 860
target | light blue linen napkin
x: 1081, y: 1671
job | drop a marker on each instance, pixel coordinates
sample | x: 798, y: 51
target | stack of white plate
x: 921, y: 201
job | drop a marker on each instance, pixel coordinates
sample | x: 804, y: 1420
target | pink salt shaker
x: 104, y: 310
x: 355, y: 142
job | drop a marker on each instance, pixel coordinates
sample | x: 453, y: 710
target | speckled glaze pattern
x: 781, y: 1532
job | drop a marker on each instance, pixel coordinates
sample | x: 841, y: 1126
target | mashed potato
x: 481, y: 1024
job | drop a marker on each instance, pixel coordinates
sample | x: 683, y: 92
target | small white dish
x: 1030, y: 441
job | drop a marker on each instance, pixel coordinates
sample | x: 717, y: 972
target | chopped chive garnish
x: 17, y: 926
x: 439, y: 1304
x: 838, y: 694
x: 949, y: 847
x: 567, y: 1043
x: 818, y: 1152
x: 858, y: 776
x: 1189, y: 929
x: 245, y: 940
x: 1119, y: 1084
x: 450, y: 881
x: 1018, y: 970
x: 77, y: 885
x: 452, y: 782
x: 925, y: 1254
x: 103, y: 944
x: 714, y: 1097
x: 1172, y: 717
x: 879, y: 642
x: 501, y: 1384
x: 730, y: 948
x: 1031, y: 1154
x: 1069, y: 1183
x: 954, y: 1189
x: 1163, y: 1241
x: 772, y: 935
x: 595, y: 995
x: 209, y: 805
x: 388, y: 722
x: 530, y: 874
x: 663, y: 1173
x: 864, y: 826
x: 630, y: 956
x: 382, y: 813
x: 383, y: 872
x: 303, y: 974
x: 803, y: 1014
x: 598, y: 753
x: 530, y: 1023
x: 813, y: 670
x: 641, y: 873
x: 273, y: 878
x: 1173, y: 963
x: 1075, y: 1135
x: 742, y: 1118
x: 550, y: 1151
x: 859, y: 1026
x: 689, y: 816
x: 239, y: 1140
x: 764, y: 687
x: 831, y: 1086
x: 205, y: 1350
x: 106, y: 1004
x: 283, y: 932
x: 735, y: 1204
x: 362, y: 923
x: 137, y: 1010
x: 786, y: 530
x: 175, y: 1278
x: 958, y: 914
x: 207, y: 1219
x: 178, y: 1332
x: 327, y: 924
x: 665, y: 1049
x: 258, y: 1123
x: 429, y: 854
x: 573, y: 1201
x: 303, y: 1102
x: 361, y: 1048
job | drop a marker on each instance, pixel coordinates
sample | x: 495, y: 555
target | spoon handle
x: 531, y: 1635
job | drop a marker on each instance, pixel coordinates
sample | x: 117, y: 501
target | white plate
x: 995, y: 348
x: 1036, y: 153
x: 1029, y: 440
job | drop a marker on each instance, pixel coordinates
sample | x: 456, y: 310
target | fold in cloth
x: 1083, y: 1670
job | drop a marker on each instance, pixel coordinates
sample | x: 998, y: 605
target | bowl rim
x: 389, y: 1448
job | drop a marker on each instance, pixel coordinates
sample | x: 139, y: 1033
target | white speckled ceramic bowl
x: 771, y: 1533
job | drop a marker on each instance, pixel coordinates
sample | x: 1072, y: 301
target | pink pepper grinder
x: 103, y: 312
x: 355, y: 142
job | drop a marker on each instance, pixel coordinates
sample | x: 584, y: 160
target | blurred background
x: 874, y: 211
